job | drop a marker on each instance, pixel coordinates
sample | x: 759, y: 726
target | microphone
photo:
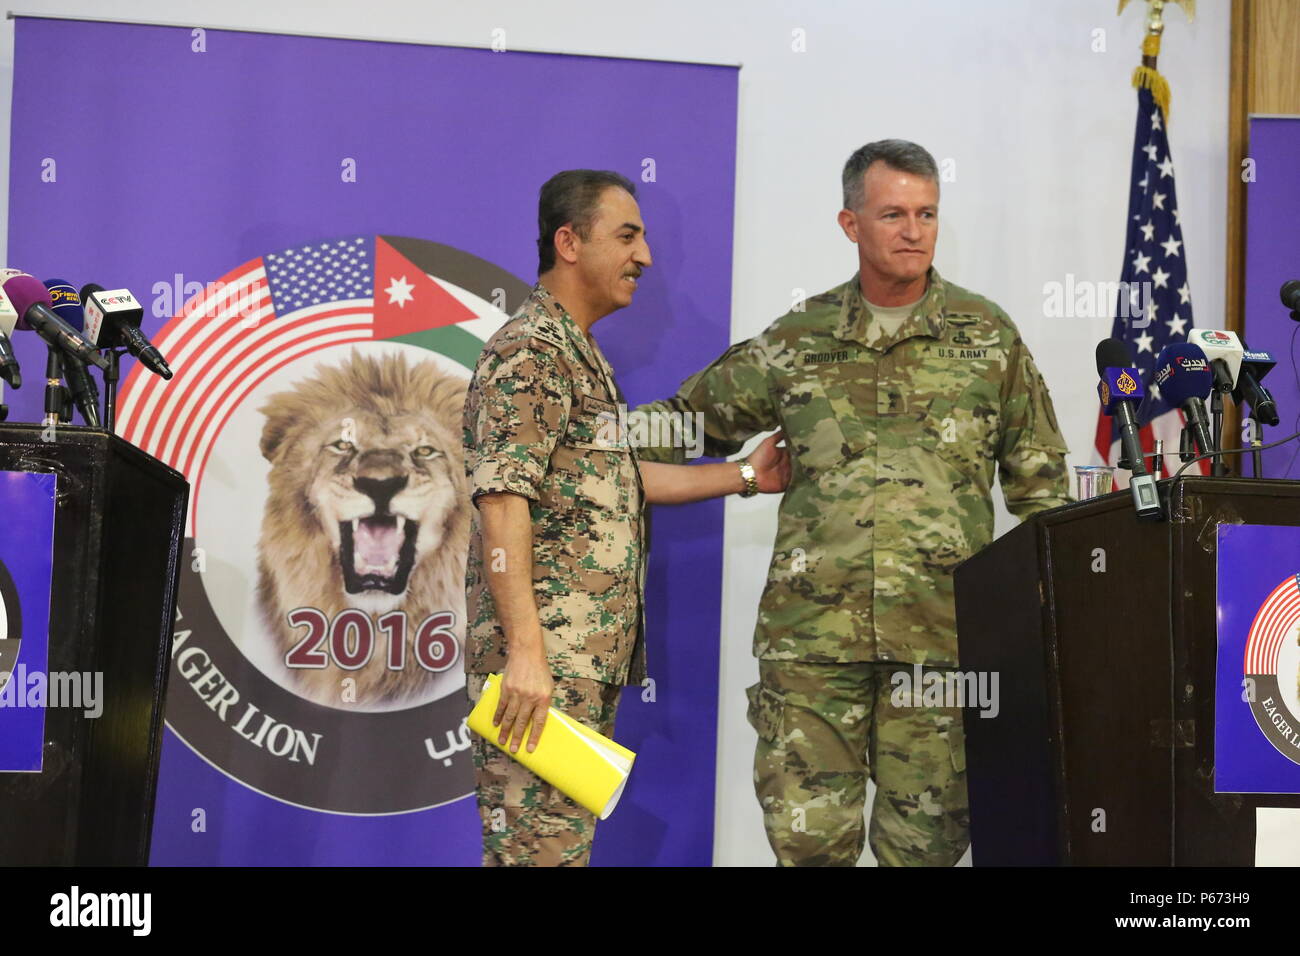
x: 1291, y: 294
x: 1254, y: 366
x: 1224, y: 351
x: 113, y: 321
x: 9, y: 369
x: 67, y: 306
x: 1120, y: 391
x: 1184, y: 378
x: 31, y: 301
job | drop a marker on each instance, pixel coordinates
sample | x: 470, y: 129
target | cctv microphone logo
x: 118, y: 299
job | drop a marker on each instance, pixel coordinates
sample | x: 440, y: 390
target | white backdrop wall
x: 1029, y: 101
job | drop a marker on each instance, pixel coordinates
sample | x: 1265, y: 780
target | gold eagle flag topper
x: 1146, y: 74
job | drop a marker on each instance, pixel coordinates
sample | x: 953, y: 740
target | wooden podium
x: 118, y: 526
x: 1103, y: 750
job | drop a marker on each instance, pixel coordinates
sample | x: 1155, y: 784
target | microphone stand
x: 1256, y: 456
x: 53, y: 387
x: 111, y: 375
x: 1217, y: 468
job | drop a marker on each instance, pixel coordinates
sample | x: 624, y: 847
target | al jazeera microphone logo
x: 1123, y: 383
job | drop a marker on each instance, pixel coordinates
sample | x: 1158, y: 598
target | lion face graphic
x: 368, y: 509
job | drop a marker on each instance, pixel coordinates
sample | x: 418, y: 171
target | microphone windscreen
x: 24, y: 292
x: 1183, y: 372
x: 1112, y: 353
x: 66, y: 303
x: 1291, y: 294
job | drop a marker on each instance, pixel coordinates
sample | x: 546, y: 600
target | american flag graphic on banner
x: 1154, y: 306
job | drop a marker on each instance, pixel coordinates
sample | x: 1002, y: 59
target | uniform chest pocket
x: 592, y: 462
x: 964, y: 431
x: 595, y: 423
x: 822, y: 420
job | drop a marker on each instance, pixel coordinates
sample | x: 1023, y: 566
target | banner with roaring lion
x: 323, y: 232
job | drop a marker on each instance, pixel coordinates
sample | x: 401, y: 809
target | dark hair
x: 571, y: 198
x: 897, y: 154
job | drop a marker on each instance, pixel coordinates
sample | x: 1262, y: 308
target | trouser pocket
x: 765, y: 712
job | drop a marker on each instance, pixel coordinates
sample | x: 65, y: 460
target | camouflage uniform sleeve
x: 524, y: 398
x: 1031, y: 456
x: 732, y: 396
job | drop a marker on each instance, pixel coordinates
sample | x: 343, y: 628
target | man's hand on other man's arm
x: 678, y: 484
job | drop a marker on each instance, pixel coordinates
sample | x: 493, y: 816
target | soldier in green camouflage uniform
x: 543, y: 436
x: 896, y: 431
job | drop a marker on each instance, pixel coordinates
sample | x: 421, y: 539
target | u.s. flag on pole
x: 1154, y: 304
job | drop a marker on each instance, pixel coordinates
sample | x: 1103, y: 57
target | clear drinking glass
x: 1094, y: 480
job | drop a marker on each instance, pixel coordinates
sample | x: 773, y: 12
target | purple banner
x: 1257, y: 685
x: 293, y: 211
x: 26, y: 556
x: 1272, y: 258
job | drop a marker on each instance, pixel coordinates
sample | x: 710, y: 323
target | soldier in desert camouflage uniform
x: 898, y: 393
x: 557, y: 553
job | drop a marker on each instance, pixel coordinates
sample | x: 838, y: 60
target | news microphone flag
x: 1154, y: 305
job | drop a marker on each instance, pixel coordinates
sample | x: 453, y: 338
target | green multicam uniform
x: 541, y: 422
x: 895, y: 437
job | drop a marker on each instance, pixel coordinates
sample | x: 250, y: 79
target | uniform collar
x: 584, y: 344
x: 857, y: 324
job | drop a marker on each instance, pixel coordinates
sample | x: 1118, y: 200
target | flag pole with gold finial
x: 1147, y: 75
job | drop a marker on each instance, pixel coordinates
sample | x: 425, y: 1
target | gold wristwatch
x: 750, y: 478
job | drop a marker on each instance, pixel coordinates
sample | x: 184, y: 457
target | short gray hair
x: 897, y: 154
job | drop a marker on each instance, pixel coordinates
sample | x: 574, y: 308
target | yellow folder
x: 586, y: 766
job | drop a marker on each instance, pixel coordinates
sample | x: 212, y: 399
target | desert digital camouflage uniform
x: 895, y: 438
x: 526, y: 821
x: 541, y: 422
